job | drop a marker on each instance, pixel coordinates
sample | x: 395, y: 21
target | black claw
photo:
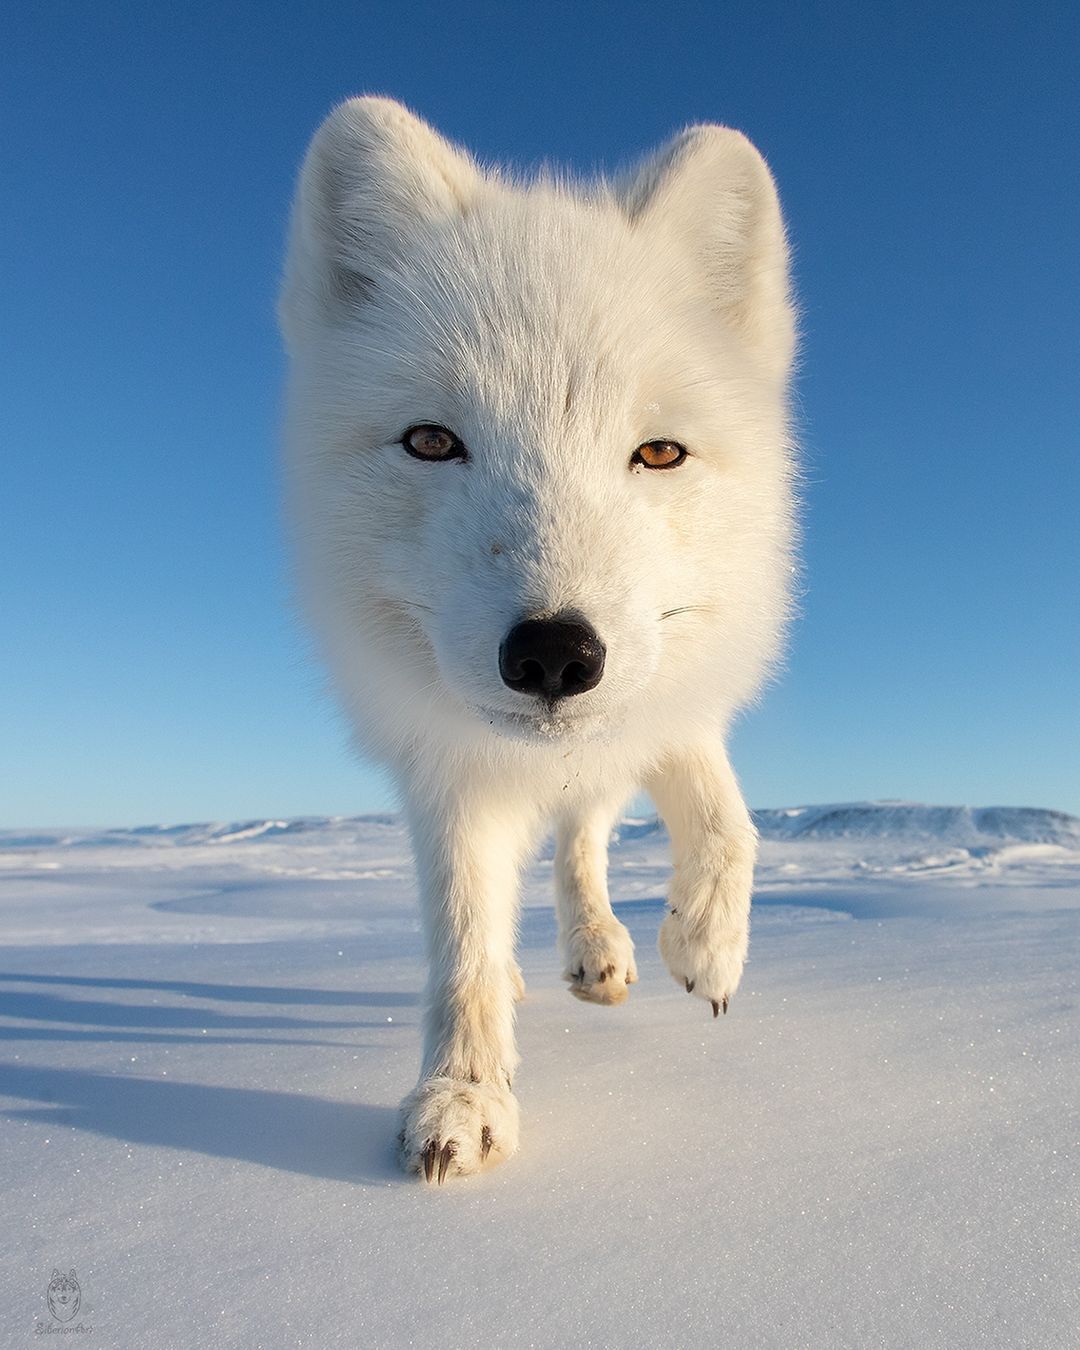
x: 485, y: 1143
x: 689, y: 986
x: 580, y: 976
x: 716, y: 1008
x: 448, y: 1151
x: 723, y: 1002
x: 430, y: 1149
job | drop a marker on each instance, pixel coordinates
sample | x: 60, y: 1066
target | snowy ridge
x: 199, y: 833
x: 955, y: 826
x: 961, y: 826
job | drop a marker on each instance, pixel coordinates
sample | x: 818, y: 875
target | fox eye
x: 428, y: 441
x: 658, y: 455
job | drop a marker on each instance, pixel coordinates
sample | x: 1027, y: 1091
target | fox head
x: 537, y: 447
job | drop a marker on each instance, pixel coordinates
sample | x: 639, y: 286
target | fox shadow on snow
x: 338, y: 1141
x: 295, y: 1132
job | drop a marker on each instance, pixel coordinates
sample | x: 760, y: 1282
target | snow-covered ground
x: 207, y: 1030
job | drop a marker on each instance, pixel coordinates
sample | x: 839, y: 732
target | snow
x: 207, y: 1030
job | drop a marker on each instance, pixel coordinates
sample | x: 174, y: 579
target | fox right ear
x: 372, y: 171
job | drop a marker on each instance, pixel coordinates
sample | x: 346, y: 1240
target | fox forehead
x: 544, y: 312
x: 523, y: 266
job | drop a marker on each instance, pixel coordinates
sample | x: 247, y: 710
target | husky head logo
x: 64, y: 1295
x: 537, y: 448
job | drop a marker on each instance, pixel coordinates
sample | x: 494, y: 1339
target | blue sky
x: 929, y: 161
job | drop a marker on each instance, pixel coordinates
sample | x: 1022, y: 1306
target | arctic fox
x: 539, y: 469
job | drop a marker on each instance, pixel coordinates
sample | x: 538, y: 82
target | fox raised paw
x: 707, y: 960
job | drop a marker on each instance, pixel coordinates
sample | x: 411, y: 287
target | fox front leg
x: 598, y: 954
x: 462, y: 1116
x: 704, y: 938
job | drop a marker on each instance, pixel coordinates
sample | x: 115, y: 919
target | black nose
x: 552, y: 657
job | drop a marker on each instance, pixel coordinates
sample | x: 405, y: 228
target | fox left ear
x: 710, y: 187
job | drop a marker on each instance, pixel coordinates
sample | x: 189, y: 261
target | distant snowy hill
x: 962, y: 826
x: 203, y: 832
x: 957, y: 826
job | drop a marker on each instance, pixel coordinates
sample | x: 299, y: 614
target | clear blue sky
x: 929, y: 162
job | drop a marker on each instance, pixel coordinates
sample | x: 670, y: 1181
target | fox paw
x: 453, y: 1128
x: 600, y: 962
x: 708, y: 964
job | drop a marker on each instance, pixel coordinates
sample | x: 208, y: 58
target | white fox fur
x: 554, y: 328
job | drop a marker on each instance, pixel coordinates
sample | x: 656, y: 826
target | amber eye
x: 432, y: 442
x: 658, y: 455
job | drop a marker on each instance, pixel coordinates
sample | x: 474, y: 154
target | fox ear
x: 372, y: 173
x: 713, y: 189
